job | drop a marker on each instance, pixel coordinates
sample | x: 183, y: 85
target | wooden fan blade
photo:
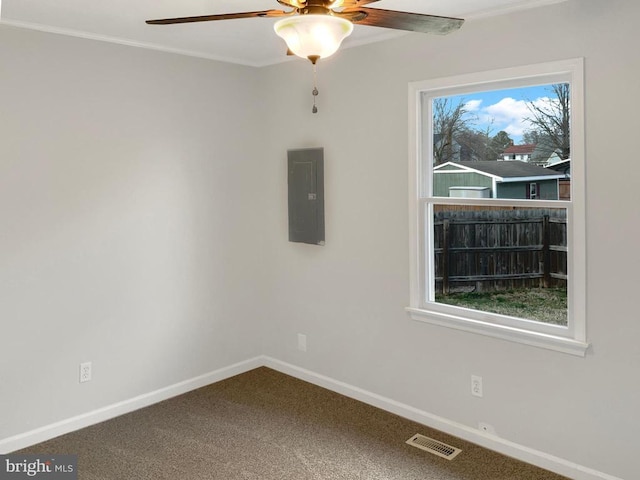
x: 291, y: 3
x: 413, y: 22
x: 224, y: 16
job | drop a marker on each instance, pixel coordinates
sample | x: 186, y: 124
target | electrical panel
x: 306, y: 195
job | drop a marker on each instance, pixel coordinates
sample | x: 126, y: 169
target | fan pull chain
x: 314, y: 92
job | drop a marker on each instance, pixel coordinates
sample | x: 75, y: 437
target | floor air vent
x: 434, y: 446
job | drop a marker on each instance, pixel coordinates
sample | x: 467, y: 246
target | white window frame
x: 571, y: 339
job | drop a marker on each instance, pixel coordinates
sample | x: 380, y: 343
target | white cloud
x: 472, y: 105
x: 510, y: 115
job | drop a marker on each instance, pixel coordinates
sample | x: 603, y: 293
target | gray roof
x: 508, y: 169
x: 563, y: 166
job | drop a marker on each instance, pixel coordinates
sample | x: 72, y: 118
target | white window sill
x: 527, y: 337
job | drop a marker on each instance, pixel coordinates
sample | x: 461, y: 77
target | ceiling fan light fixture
x: 313, y: 36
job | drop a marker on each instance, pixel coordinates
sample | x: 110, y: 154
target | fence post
x: 446, y: 238
x: 546, y: 252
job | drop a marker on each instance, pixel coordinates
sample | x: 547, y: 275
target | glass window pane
x: 506, y: 260
x: 510, y: 143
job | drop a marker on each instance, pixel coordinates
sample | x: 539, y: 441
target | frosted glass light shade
x: 313, y: 35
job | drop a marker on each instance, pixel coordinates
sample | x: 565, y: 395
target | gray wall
x: 142, y: 227
x: 128, y: 195
x: 349, y: 296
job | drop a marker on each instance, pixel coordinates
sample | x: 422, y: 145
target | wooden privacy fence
x: 498, y: 249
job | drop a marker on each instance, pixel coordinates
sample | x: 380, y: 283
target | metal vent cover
x: 434, y: 446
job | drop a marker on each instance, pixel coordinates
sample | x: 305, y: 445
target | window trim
x: 571, y: 339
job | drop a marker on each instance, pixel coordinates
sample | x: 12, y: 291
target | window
x: 495, y: 248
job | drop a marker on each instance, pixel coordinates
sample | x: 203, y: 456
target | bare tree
x: 449, y: 120
x: 473, y: 144
x: 533, y: 136
x: 551, y: 119
x: 456, y: 139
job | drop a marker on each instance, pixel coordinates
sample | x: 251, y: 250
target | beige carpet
x: 264, y: 425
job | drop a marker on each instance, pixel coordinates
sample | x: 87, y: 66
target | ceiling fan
x: 315, y: 29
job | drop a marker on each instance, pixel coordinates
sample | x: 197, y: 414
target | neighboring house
x: 564, y: 184
x: 454, y: 152
x: 562, y: 166
x: 522, y: 152
x: 545, y: 155
x: 505, y: 179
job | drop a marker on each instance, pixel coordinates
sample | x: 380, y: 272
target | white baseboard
x: 53, y: 430
x: 492, y: 442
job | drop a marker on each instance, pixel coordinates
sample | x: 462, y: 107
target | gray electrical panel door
x: 306, y: 195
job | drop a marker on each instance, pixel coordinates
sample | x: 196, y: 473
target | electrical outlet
x: 476, y: 386
x: 85, y: 372
x: 302, y: 342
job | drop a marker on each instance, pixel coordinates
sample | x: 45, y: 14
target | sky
x: 503, y: 109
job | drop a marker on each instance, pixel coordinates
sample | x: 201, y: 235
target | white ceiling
x: 248, y: 41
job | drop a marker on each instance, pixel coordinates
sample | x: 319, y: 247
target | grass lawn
x: 548, y: 305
